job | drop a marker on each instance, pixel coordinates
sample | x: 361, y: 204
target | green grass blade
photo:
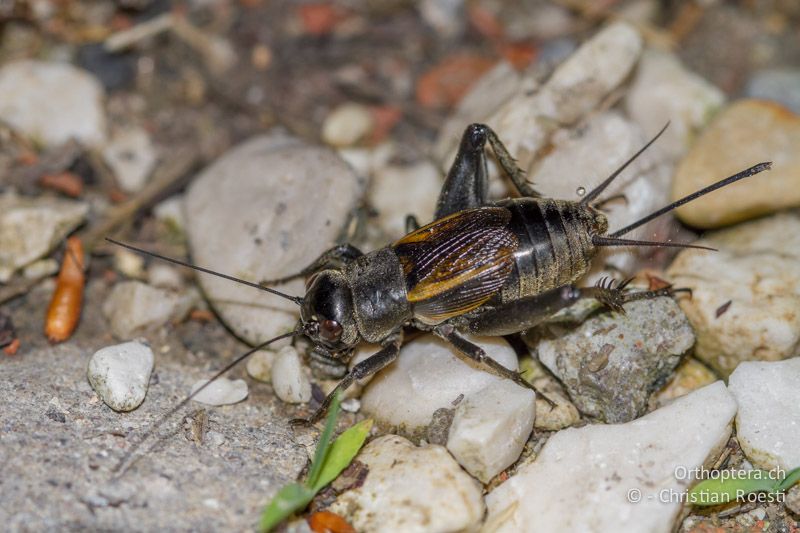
x: 324, y: 442
x: 289, y: 500
x: 725, y: 490
x: 342, y: 452
x: 788, y: 482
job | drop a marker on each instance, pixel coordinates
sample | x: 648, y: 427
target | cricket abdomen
x: 555, y: 247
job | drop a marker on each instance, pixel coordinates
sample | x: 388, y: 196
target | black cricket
x: 481, y: 267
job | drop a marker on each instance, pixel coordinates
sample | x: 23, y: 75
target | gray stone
x: 611, y: 363
x: 289, y: 379
x: 52, y: 102
x: 32, y: 227
x: 399, y: 191
x: 266, y: 209
x: 120, y: 374
x: 347, y: 125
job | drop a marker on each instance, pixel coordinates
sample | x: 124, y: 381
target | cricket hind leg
x: 525, y: 313
x: 367, y: 367
x: 467, y: 182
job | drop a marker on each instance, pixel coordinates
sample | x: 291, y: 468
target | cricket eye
x: 330, y: 330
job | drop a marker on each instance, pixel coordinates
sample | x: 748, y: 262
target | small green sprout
x: 329, y: 461
x: 718, y: 491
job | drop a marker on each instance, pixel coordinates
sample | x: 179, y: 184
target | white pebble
x: 222, y: 391
x: 131, y: 156
x: 164, y: 276
x: 614, y: 477
x: 120, y: 374
x: 399, y: 191
x: 288, y: 377
x: 135, y: 307
x: 490, y: 428
x: 768, y: 421
x: 411, y: 489
x: 52, y: 102
x: 351, y: 405
x: 347, y: 124
x: 428, y: 375
x: 259, y: 366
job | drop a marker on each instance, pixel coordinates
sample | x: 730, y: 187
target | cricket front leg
x: 367, y: 367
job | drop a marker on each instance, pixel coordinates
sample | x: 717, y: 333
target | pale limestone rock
x: 289, y: 380
x: 134, y: 307
x: 52, y: 102
x: 768, y: 421
x: 120, y: 374
x: 583, y: 478
x: 743, y: 134
x: 745, y: 302
x: 411, y: 489
x: 347, y: 125
x: 32, y: 227
x: 429, y: 375
x: 399, y: 191
x: 267, y: 208
x: 490, y: 428
x: 131, y: 156
x: 222, y: 391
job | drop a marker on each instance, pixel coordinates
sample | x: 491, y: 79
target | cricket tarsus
x: 296, y: 299
x: 124, y: 463
x: 755, y: 169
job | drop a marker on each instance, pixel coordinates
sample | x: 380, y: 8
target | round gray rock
x: 264, y: 210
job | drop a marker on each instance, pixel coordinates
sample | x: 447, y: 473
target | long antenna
x: 122, y: 467
x: 594, y: 193
x: 755, y: 169
x: 296, y: 299
x: 600, y: 240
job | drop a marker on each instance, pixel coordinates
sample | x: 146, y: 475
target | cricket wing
x: 458, y: 262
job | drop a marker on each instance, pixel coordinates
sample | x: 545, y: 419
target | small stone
x: 52, y: 102
x: 429, y: 375
x: 768, y: 421
x: 793, y: 500
x: 351, y: 405
x: 289, y: 380
x: 662, y: 91
x: 553, y: 417
x: 222, y: 391
x: 399, y: 191
x: 164, y: 276
x: 129, y: 263
x: 259, y: 366
x: 447, y: 17
x: 31, y: 227
x: 781, y: 85
x: 743, y: 134
x: 613, y: 477
x: 170, y: 211
x: 411, y: 489
x: 131, y: 156
x: 757, y: 270
x: 490, y: 428
x: 135, y: 307
x: 347, y: 125
x: 690, y: 375
x: 266, y: 209
x: 611, y: 363
x: 120, y: 374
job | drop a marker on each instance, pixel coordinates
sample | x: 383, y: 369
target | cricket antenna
x: 755, y: 169
x: 594, y: 193
x: 296, y: 299
x: 124, y: 463
x: 600, y: 240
